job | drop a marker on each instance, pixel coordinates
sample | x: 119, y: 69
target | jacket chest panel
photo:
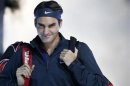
x: 50, y: 71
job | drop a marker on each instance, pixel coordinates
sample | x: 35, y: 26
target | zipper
x: 47, y: 65
x: 47, y: 61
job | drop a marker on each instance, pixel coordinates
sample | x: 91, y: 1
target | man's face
x: 47, y: 28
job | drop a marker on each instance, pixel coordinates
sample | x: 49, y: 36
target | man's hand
x: 23, y: 72
x: 68, y: 56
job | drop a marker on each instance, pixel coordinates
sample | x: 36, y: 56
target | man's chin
x: 46, y: 41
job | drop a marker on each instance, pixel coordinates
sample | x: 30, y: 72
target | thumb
x: 33, y: 66
x: 76, y: 51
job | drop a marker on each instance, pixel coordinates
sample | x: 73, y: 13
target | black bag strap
x: 72, y: 43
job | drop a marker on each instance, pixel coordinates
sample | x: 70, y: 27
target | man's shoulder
x: 19, y: 44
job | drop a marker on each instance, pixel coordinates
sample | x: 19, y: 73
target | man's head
x: 48, y: 20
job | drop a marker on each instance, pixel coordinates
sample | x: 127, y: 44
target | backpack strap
x: 72, y: 43
x: 71, y: 46
x: 26, y: 59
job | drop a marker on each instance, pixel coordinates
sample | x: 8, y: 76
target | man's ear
x: 60, y: 24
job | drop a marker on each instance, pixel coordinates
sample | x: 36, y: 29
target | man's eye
x: 41, y: 26
x: 52, y: 25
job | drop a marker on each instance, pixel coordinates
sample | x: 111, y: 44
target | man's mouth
x: 46, y: 37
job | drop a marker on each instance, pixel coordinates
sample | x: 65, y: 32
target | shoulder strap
x: 72, y: 43
x: 26, y: 59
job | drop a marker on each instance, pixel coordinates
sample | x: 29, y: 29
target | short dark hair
x: 53, y: 5
x: 49, y: 4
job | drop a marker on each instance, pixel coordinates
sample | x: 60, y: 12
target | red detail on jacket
x: 110, y: 84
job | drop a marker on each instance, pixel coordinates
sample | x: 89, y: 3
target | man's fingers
x: 63, y: 53
x: 22, y: 72
x: 26, y: 65
x: 25, y: 70
x: 28, y: 71
x: 25, y: 74
x: 65, y: 50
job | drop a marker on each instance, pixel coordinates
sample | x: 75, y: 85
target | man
x: 53, y: 63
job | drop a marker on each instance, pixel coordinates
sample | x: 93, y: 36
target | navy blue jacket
x: 49, y: 71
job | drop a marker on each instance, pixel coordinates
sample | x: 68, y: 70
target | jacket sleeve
x: 8, y: 74
x: 85, y: 69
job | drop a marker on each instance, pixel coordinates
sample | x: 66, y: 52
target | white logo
x: 47, y: 12
x: 26, y: 55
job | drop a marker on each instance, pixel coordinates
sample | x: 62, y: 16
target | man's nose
x: 46, y: 30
